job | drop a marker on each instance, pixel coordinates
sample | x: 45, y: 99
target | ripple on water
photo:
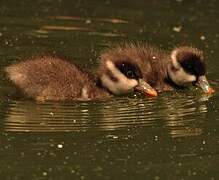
x: 178, y: 116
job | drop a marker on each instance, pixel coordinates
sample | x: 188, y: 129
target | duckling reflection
x: 52, y: 78
x: 164, y: 70
x: 185, y: 117
x: 26, y: 116
x: 178, y: 117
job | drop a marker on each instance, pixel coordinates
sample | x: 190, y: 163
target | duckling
x: 164, y: 70
x: 49, y: 78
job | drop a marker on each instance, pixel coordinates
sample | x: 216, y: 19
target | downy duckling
x: 49, y: 78
x: 164, y: 70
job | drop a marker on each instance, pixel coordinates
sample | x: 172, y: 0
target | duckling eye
x: 130, y: 74
x: 130, y: 70
x: 189, y: 67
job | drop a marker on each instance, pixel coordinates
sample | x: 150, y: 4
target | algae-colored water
x: 174, y: 136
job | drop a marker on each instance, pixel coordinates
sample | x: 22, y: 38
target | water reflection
x: 64, y: 28
x: 88, y: 20
x: 79, y: 24
x: 109, y: 148
x: 178, y: 116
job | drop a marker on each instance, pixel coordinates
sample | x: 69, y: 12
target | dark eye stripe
x: 130, y: 70
x: 192, y: 64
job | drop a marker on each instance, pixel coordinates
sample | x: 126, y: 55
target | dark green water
x: 174, y: 136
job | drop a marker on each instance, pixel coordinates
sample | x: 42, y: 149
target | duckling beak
x: 145, y: 88
x: 204, y: 85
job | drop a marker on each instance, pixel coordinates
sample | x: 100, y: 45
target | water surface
x: 174, y: 136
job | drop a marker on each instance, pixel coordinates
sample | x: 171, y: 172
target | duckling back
x: 52, y: 78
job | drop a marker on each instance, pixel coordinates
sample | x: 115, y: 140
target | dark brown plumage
x: 52, y: 78
x: 152, y: 61
x: 192, y: 60
x: 122, y: 70
x: 162, y: 70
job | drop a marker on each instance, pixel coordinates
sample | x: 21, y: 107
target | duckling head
x: 187, y: 66
x: 122, y: 77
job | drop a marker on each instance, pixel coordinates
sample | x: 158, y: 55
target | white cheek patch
x: 179, y: 76
x: 122, y: 86
x: 174, y: 61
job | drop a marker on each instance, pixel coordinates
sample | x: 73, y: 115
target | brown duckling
x: 55, y: 79
x: 164, y: 70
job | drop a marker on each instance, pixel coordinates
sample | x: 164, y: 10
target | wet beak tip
x: 145, y: 88
x: 152, y: 93
x: 211, y: 91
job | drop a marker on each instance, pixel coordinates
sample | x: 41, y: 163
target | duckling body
x: 121, y: 70
x: 49, y: 78
x: 52, y: 78
x: 163, y: 70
